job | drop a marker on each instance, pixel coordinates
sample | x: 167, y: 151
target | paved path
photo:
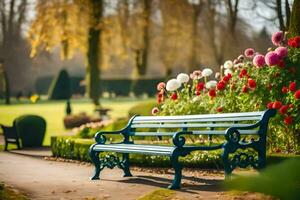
x: 42, y: 179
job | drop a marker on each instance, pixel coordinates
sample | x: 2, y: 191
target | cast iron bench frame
x: 227, y: 124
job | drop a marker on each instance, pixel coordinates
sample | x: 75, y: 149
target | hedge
x: 120, y: 87
x: 77, y: 149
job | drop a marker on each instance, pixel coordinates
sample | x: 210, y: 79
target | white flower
x: 183, y: 78
x: 207, y: 72
x: 173, y: 85
x: 227, y: 71
x: 228, y: 64
x: 211, y: 84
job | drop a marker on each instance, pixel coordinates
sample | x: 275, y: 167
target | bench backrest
x: 207, y: 124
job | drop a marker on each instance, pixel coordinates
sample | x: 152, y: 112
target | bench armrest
x: 178, y: 139
x: 100, y: 136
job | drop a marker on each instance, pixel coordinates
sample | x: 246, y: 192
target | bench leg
x: 178, y: 174
x: 226, y: 164
x: 126, y: 167
x: 95, y: 159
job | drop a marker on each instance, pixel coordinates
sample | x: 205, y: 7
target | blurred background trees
x: 130, y: 38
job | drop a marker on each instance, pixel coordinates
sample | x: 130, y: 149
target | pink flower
x: 259, y: 60
x: 154, y: 111
x: 277, y: 38
x: 196, y: 75
x: 281, y: 52
x: 272, y: 58
x: 249, y: 52
x: 161, y: 86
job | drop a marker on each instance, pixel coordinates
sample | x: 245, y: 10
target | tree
x: 12, y: 19
x: 74, y: 25
x: 294, y: 27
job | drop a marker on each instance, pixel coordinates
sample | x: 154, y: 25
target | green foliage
x: 31, y: 130
x: 281, y: 181
x: 143, y: 109
x: 247, y: 88
x: 7, y: 193
x: 60, y: 87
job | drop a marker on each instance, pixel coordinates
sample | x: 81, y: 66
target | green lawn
x: 54, y: 111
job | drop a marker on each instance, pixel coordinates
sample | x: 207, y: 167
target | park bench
x: 229, y: 127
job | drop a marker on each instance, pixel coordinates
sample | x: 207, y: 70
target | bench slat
x: 205, y: 116
x: 229, y: 119
x: 133, y: 148
x: 182, y: 125
x: 205, y: 132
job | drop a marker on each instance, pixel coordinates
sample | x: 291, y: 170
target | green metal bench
x: 230, y: 126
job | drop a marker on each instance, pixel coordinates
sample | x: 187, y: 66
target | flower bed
x: 251, y: 82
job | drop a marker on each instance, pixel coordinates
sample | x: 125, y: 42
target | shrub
x: 144, y: 108
x: 60, y: 87
x: 74, y: 148
x: 31, y: 130
x: 250, y: 82
x: 76, y: 120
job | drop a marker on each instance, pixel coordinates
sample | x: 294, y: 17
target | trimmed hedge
x: 77, y: 149
x: 61, y: 86
x: 121, y: 87
x: 31, y: 130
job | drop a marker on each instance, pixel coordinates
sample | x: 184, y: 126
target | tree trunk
x: 92, y: 70
x: 94, y: 52
x: 294, y: 28
x: 7, y: 88
x: 142, y: 55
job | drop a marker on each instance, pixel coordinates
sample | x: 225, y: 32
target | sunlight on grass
x: 54, y: 112
x: 160, y: 194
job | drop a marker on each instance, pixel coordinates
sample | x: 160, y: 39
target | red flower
x: 281, y: 64
x: 197, y: 92
x: 219, y: 109
x: 288, y: 120
x: 292, y: 43
x: 212, y: 93
x: 277, y: 105
x: 174, y: 96
x: 291, y: 105
x: 251, y: 83
x: 284, y: 89
x: 292, y: 86
x: 244, y: 89
x: 297, y: 94
x: 243, y: 73
x: 297, y: 39
x: 270, y: 105
x: 226, y: 78
x: 283, y: 109
x: 221, y: 85
x: 200, y: 86
x: 229, y: 75
x: 160, y: 97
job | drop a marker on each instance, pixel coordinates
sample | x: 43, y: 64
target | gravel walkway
x: 45, y: 179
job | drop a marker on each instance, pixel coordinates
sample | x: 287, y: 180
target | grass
x: 160, y: 194
x: 8, y: 193
x: 54, y: 112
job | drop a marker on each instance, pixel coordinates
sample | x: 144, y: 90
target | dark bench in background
x: 232, y: 126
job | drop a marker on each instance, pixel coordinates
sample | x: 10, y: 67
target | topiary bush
x: 31, y: 129
x: 60, y: 87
